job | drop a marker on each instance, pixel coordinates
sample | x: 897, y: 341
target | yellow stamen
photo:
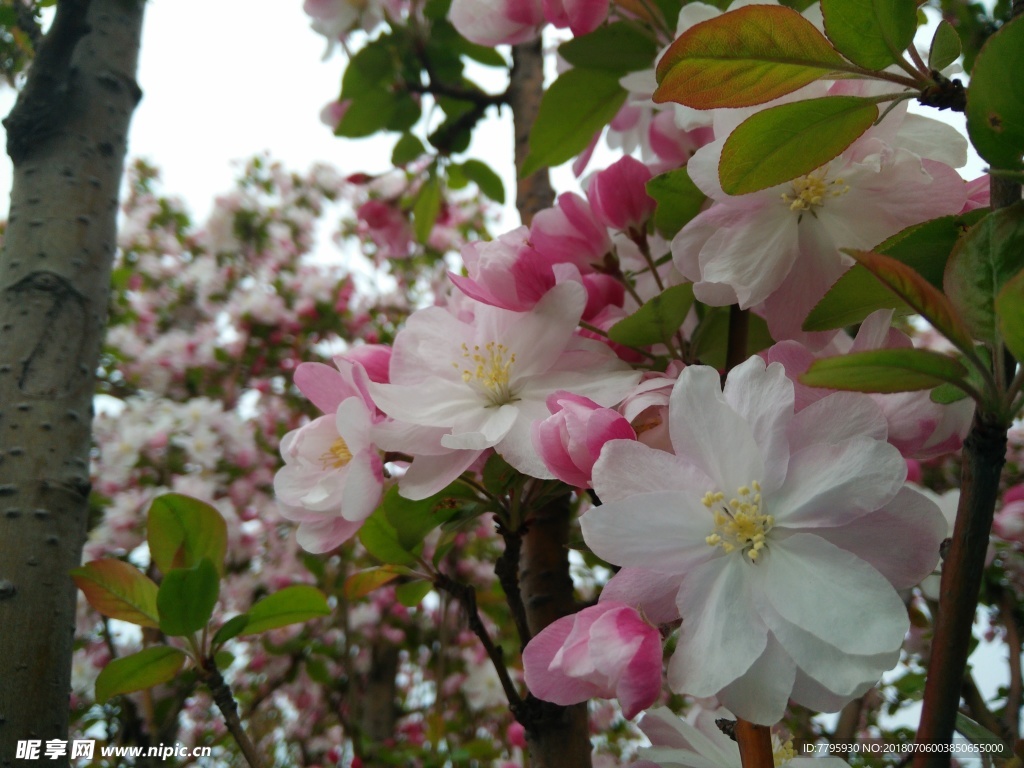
x: 490, y: 369
x: 337, y: 456
x: 811, y: 191
x: 739, y: 523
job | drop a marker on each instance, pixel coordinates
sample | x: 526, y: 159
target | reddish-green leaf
x: 790, y: 140
x: 924, y: 247
x: 871, y: 33
x: 980, y: 264
x: 291, y: 605
x: 187, y: 597
x: 182, y: 531
x: 919, y: 294
x: 364, y: 582
x: 995, y: 99
x: 148, y: 667
x: 884, y: 370
x: 745, y: 57
x: 119, y: 590
x: 1010, y: 314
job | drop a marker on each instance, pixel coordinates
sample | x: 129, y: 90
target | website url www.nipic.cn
x: 37, y: 749
x: 878, y: 748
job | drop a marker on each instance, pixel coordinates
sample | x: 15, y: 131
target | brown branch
x: 212, y: 678
x: 526, y: 86
x: 507, y: 571
x: 755, y: 742
x: 739, y: 332
x: 978, y: 709
x: 962, y: 571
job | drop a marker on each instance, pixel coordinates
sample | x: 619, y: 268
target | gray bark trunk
x: 67, y: 139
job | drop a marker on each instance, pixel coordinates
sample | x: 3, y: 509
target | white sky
x: 226, y: 79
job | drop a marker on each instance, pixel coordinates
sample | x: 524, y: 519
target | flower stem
x: 983, y: 458
x: 222, y: 697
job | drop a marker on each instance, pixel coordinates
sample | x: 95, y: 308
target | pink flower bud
x: 606, y: 651
x: 619, y: 196
x: 570, y: 440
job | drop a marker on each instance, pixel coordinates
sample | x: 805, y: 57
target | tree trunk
x: 557, y: 737
x: 67, y: 138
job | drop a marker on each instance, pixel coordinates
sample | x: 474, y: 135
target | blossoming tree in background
x: 669, y: 451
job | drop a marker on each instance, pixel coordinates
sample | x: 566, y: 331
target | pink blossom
x: 571, y: 232
x: 919, y: 427
x: 605, y: 651
x: 581, y: 16
x: 494, y: 22
x: 1009, y: 520
x: 618, y: 195
x: 570, y: 440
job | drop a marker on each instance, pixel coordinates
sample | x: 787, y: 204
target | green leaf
x: 364, y: 582
x: 790, y: 140
x: 978, y: 734
x: 995, y: 99
x: 367, y: 114
x: 620, y: 47
x: 745, y: 57
x: 413, y: 520
x: 412, y: 593
x: 231, y: 628
x: 148, y: 667
x: 119, y: 590
x: 884, y: 370
x: 1010, y: 312
x: 924, y: 248
x: 291, y: 605
x: 948, y: 393
x: 870, y: 33
x: 678, y: 199
x: 187, y: 597
x: 926, y: 300
x: 945, y: 47
x: 981, y: 263
x: 380, y: 538
x: 407, y: 149
x: 657, y: 320
x: 499, y: 475
x: 426, y: 208
x: 486, y: 179
x: 710, y: 339
x: 182, y: 531
x: 576, y: 106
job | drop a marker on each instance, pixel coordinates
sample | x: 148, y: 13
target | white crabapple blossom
x: 777, y: 249
x: 772, y: 534
x: 483, y: 382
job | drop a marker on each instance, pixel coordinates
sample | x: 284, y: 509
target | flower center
x: 739, y: 524
x: 337, y: 456
x: 488, y: 369
x: 810, y: 191
x: 783, y: 751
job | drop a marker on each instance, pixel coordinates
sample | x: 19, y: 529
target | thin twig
x: 466, y: 595
x: 507, y: 571
x: 222, y: 697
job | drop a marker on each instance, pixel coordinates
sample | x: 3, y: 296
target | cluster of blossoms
x: 758, y: 521
x: 204, y: 323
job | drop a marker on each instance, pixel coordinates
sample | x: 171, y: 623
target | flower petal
x: 761, y: 694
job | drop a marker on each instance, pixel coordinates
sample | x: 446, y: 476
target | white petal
x: 706, y: 431
x: 481, y: 428
x: 660, y: 531
x: 760, y: 695
x: 429, y: 474
x: 722, y: 635
x: 810, y: 693
x: 827, y: 481
x: 628, y: 467
x: 835, y: 418
x: 833, y: 595
x: 764, y: 398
